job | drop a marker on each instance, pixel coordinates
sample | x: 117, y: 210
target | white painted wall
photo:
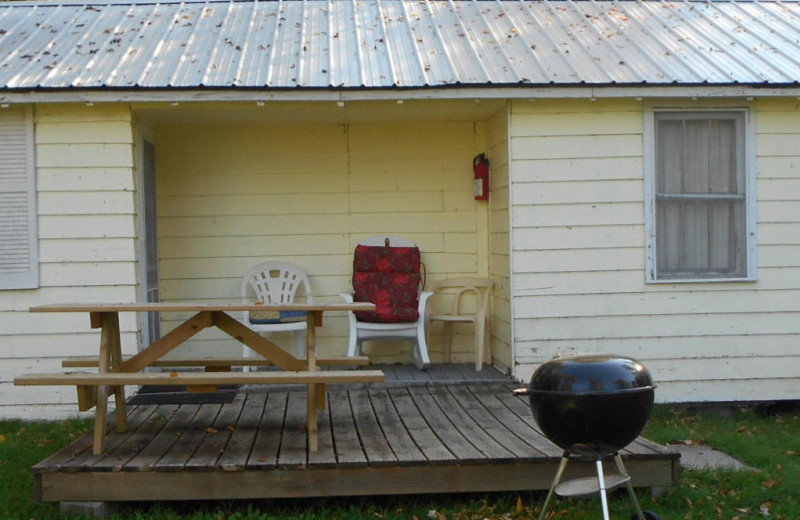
x: 87, y: 251
x: 578, y: 257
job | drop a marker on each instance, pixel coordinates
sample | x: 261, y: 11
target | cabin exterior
x: 138, y: 177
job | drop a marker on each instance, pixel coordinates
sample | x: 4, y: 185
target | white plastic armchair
x: 276, y: 282
x: 478, y: 290
x: 413, y: 331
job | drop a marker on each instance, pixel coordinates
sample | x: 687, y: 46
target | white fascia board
x: 582, y: 92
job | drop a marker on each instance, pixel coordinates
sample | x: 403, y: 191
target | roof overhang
x: 450, y: 93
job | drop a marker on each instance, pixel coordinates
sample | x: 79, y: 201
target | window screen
x: 700, y: 199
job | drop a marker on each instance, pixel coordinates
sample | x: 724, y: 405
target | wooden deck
x: 447, y: 430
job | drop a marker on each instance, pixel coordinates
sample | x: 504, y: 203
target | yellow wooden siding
x: 578, y: 256
x: 232, y: 196
x: 87, y: 237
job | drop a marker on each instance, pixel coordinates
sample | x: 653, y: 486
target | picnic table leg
x: 99, y: 444
x: 115, y: 351
x: 110, y: 356
x: 105, y: 323
x: 311, y: 357
x: 311, y: 418
x: 320, y: 397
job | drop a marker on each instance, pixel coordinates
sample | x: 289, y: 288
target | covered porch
x: 240, y: 183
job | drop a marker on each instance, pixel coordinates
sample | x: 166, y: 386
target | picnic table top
x: 224, y: 306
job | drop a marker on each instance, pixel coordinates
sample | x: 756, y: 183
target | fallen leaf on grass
x: 2, y: 438
x: 769, y: 484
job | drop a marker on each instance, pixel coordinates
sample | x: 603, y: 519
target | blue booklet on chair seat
x: 267, y: 317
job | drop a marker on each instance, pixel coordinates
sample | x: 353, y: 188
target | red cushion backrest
x: 389, y: 277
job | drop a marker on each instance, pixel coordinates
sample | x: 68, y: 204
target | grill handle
x: 521, y: 391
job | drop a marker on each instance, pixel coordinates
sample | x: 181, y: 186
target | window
x: 19, y: 262
x: 698, y: 205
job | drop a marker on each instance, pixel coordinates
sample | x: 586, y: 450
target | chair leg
x: 299, y: 343
x: 479, y: 345
x: 354, y: 347
x: 447, y: 328
x: 246, y: 353
x: 487, y: 341
x: 419, y: 350
x: 419, y: 355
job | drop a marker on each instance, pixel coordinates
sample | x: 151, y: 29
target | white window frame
x: 650, y: 185
x: 16, y: 277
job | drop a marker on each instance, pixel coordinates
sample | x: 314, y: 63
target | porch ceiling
x: 323, y: 112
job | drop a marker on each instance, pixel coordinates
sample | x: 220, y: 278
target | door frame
x: 145, y: 134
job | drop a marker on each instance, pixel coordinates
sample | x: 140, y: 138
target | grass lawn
x: 770, y: 443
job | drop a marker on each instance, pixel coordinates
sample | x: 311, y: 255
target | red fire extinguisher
x: 480, y: 165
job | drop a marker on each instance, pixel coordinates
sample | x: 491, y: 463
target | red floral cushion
x: 389, y: 277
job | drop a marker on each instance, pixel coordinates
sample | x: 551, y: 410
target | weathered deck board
x: 519, y: 425
x: 142, y: 436
x: 244, y: 433
x: 398, y: 437
x: 266, y: 447
x: 175, y: 420
x: 375, y: 445
x: 217, y: 437
x: 293, y: 453
x: 407, y: 435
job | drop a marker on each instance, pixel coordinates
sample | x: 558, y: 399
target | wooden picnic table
x: 114, y: 371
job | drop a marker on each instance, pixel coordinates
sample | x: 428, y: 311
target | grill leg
x: 629, y: 485
x: 559, y: 473
x: 602, y: 481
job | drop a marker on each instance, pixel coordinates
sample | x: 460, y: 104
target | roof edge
x: 106, y: 95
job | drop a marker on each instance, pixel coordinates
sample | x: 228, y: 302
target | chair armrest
x: 423, y: 301
x: 348, y: 298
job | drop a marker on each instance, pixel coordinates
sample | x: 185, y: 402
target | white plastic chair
x: 477, y: 290
x: 414, y: 331
x: 276, y: 282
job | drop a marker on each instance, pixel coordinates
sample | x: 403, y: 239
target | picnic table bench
x: 114, y: 371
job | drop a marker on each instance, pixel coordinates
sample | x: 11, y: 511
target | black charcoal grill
x: 592, y: 405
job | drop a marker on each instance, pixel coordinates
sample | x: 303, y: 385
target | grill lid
x: 590, y: 374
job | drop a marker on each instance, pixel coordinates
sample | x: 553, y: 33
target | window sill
x: 672, y: 281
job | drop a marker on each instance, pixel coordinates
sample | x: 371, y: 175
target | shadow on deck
x: 446, y: 430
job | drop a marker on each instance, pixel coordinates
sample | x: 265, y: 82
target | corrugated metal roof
x: 358, y: 44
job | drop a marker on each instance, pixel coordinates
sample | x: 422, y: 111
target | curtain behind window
x: 700, y: 199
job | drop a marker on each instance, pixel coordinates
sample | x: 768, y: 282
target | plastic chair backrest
x: 479, y: 287
x: 276, y: 282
